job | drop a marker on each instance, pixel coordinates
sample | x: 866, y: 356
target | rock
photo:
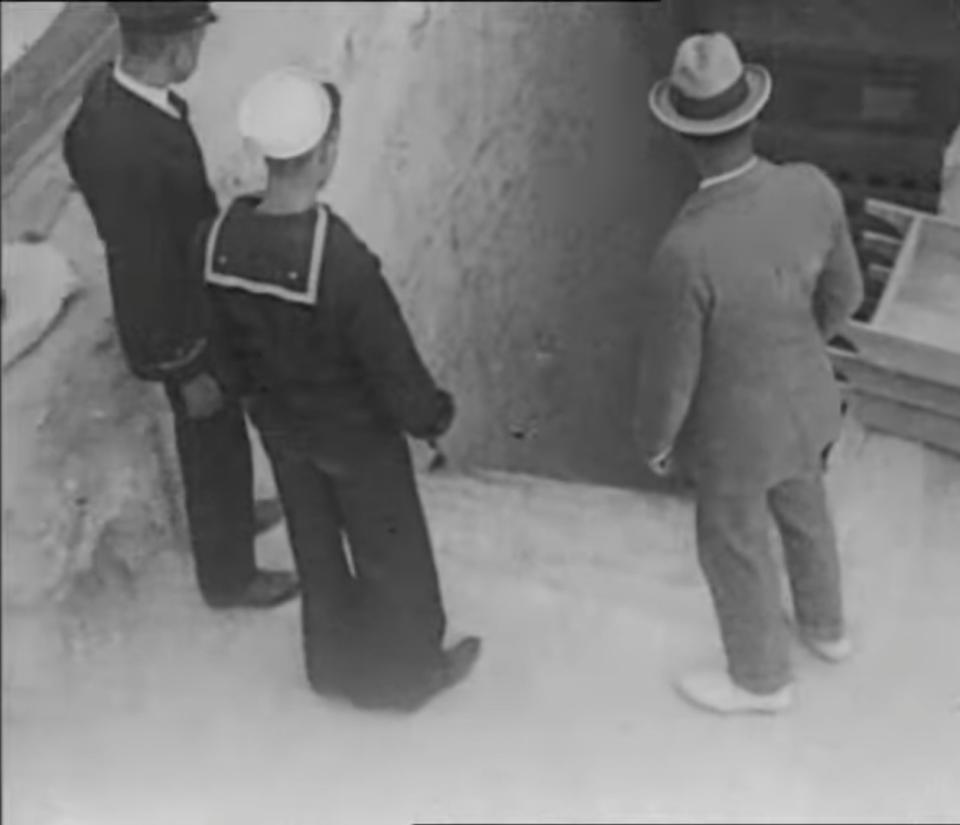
x: 37, y: 282
x: 90, y: 486
x: 416, y: 16
x: 34, y: 644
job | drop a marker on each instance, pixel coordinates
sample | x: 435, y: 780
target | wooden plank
x: 898, y: 216
x: 916, y: 326
x: 910, y: 357
x: 875, y: 379
x: 934, y: 325
x: 906, y: 421
x: 823, y: 32
x: 926, y: 307
x: 881, y: 246
x: 863, y: 164
x: 877, y: 273
x: 900, y: 272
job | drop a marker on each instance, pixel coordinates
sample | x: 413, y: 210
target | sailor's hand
x: 202, y: 396
x: 446, y: 411
x: 663, y: 464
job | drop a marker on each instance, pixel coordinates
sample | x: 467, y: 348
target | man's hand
x: 202, y: 396
x: 446, y: 411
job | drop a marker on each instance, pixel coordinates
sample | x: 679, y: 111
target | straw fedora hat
x: 710, y: 91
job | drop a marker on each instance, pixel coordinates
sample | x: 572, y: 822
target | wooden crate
x: 864, y: 89
x: 901, y: 366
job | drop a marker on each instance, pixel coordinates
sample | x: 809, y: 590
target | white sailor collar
x: 294, y: 284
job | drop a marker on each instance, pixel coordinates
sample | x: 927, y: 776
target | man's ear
x: 329, y: 145
x: 322, y: 152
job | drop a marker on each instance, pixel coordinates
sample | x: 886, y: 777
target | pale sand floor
x: 590, y: 602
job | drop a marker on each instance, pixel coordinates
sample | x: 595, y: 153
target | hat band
x: 711, y: 108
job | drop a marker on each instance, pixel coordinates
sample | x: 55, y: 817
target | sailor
x: 756, y: 273
x: 133, y: 154
x: 333, y: 380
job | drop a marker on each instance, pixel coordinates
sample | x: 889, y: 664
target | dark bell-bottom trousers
x: 742, y: 573
x: 372, y: 616
x: 217, y: 469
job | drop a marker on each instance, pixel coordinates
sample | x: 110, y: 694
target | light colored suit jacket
x: 753, y: 277
x: 950, y: 183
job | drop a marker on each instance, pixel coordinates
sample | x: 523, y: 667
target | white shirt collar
x: 157, y: 97
x: 728, y: 176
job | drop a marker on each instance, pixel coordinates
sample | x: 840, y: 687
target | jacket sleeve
x: 379, y: 338
x: 671, y: 352
x: 839, y: 289
x: 157, y: 294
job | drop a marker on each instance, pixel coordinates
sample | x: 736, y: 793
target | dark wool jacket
x: 142, y: 175
x: 326, y: 369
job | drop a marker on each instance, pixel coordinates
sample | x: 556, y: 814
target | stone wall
x: 501, y: 160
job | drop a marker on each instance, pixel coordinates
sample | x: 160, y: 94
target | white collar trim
x: 308, y: 297
x: 706, y: 183
x: 156, y: 97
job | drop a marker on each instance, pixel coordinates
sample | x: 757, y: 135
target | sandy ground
x: 590, y: 603
x: 588, y: 598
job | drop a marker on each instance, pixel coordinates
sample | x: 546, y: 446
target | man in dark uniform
x: 320, y: 349
x: 135, y: 158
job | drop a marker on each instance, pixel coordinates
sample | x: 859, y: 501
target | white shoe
x: 834, y: 651
x: 715, y: 691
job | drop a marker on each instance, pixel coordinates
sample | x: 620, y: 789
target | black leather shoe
x: 269, y: 588
x: 267, y: 514
x: 455, y: 665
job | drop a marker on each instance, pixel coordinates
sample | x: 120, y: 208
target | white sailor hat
x: 286, y: 113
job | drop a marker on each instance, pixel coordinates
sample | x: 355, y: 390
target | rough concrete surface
x: 89, y: 486
x: 38, y: 281
x: 500, y: 159
x: 21, y: 24
x: 590, y: 602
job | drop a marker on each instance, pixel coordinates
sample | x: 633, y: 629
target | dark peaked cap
x: 163, y: 18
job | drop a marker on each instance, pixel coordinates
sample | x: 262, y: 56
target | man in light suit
x: 950, y: 179
x: 736, y: 392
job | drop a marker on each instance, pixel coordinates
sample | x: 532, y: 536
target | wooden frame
x: 905, y: 380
